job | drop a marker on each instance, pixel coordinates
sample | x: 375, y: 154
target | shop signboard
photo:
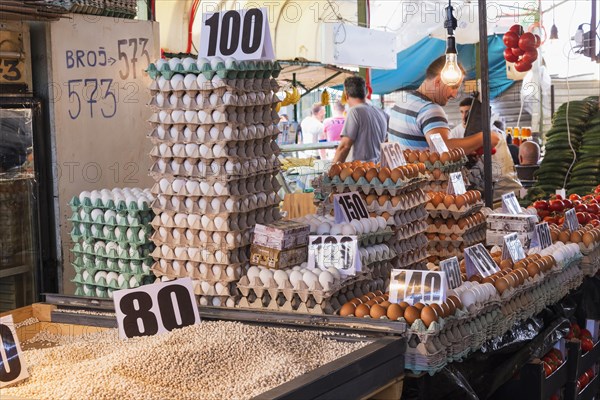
x: 152, y: 309
x: 414, y: 286
x: 349, y: 206
x: 338, y: 251
x: 12, y: 364
x: 451, y: 268
x: 240, y: 34
x: 479, y: 262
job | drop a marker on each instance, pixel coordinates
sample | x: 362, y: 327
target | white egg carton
x: 205, y: 134
x: 233, y: 187
x: 414, y: 243
x: 214, y: 205
x: 407, y: 217
x: 241, y: 115
x: 195, y: 238
x: 243, y: 150
x: 218, y: 301
x: 117, y: 265
x: 408, y: 230
x: 211, y: 273
x: 99, y: 217
x: 112, y: 250
x: 192, y: 99
x: 214, y: 169
x: 210, y: 254
x: 203, y: 84
x: 410, y: 257
x: 222, y: 222
x: 375, y: 186
x: 445, y: 212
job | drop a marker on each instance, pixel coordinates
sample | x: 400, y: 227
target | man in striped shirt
x: 421, y: 115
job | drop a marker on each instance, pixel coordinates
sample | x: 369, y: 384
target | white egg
x: 335, y: 273
x: 99, y: 275
x: 326, y: 279
x: 296, y: 278
x: 265, y: 276
x: 366, y: 224
x: 323, y: 228
x: 358, y: 226
x: 280, y: 277
x: 309, y: 278
x: 381, y: 222
x: 336, y: 229
x: 173, y: 63
x: 253, y: 272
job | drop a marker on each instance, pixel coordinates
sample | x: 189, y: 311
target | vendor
x: 365, y: 127
x: 422, y: 115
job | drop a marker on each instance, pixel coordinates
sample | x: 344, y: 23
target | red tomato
x: 595, y: 222
x: 517, y: 51
x: 547, y: 369
x: 576, y: 329
x: 556, y: 205
x: 527, y: 41
x: 582, y: 218
x: 586, y: 344
x: 511, y: 40
x: 509, y: 56
x: 538, y: 41
x: 586, y: 334
x: 567, y: 203
x: 543, y: 213
x: 581, y: 208
x: 574, y: 196
x: 541, y: 204
x: 530, y: 56
x: 522, y: 66
x: 593, y: 208
x: 597, y: 197
x: 518, y: 29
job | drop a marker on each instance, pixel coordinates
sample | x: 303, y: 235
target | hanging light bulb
x: 451, y: 73
x: 554, y: 29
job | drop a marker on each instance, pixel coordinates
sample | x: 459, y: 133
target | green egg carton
x: 79, y: 289
x: 276, y: 69
x: 112, y: 264
x: 152, y: 71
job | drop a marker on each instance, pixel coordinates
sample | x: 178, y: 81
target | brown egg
x: 422, y: 168
x: 533, y: 270
x: 554, y: 234
x: 445, y: 310
x: 385, y: 304
x: 451, y: 307
x: 370, y: 174
x: 489, y: 279
x: 384, y: 198
x: 346, y: 172
x: 404, y: 305
x: 438, y: 309
x: 394, y: 311
x: 358, y: 173
x: 436, y: 174
x: 356, y: 301
x: 506, y: 264
x: 371, y: 302
x: 460, y: 201
x: 378, y: 293
x: 411, y: 314
x: 412, y: 157
x: 419, y: 306
x: 475, y: 278
x: 377, y: 311
x: 450, y: 222
x: 385, y: 215
x: 437, y: 199
x: 433, y: 157
x: 378, y: 299
x: 371, y: 198
x: 362, y: 310
x: 502, y: 285
x: 397, y: 175
x: 457, y: 303
x: 576, y: 237
x: 428, y: 316
x: 424, y: 156
x: 448, y: 200
x: 347, y: 309
x: 335, y: 170
x: 445, y: 157
x: 384, y: 174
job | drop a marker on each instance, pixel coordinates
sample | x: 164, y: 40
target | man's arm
x: 469, y: 144
x: 343, y: 149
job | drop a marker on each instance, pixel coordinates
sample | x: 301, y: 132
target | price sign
x: 349, y: 206
x: 417, y: 286
x: 243, y: 35
x: 451, y: 268
x: 457, y: 184
x: 392, y: 155
x: 510, y: 204
x: 479, y: 262
x: 571, y: 220
x: 12, y: 365
x: 159, y: 308
x: 340, y: 252
x: 437, y: 143
x: 512, y: 248
x: 541, y: 236
x: 561, y: 192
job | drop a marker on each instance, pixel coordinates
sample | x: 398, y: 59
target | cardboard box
x: 497, y: 238
x: 281, y: 235
x: 509, y: 223
x: 277, y: 259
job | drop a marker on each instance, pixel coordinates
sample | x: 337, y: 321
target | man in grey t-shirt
x: 365, y: 128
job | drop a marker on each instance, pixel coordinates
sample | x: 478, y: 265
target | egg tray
x: 223, y: 151
x: 120, y: 220
x: 452, y: 211
x: 138, y: 234
x: 222, y: 115
x: 211, y: 134
x: 593, y: 250
x: 192, y: 205
x: 88, y: 233
x: 120, y: 207
x: 414, y: 243
x: 218, y: 301
x: 113, y: 284
x: 135, y: 253
x: 378, y: 268
x: 193, y: 99
x: 203, y: 84
x: 447, y: 167
x: 373, y: 238
x: 467, y: 239
x: 409, y: 202
x: 431, y: 228
x: 410, y: 257
x: 408, y: 217
x: 192, y: 237
x: 211, y: 169
x: 202, y: 254
x: 236, y: 69
x: 221, y: 222
x: 336, y: 185
x: 112, y: 265
x: 93, y: 291
x: 408, y: 230
x: 198, y: 271
x: 219, y: 187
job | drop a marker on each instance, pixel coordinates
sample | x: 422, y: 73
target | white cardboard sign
x: 341, y: 252
x: 392, y: 155
x: 12, y: 365
x: 349, y: 206
x: 437, y: 143
x: 510, y: 204
x: 414, y: 286
x: 457, y: 183
x: 512, y: 248
x: 479, y: 262
x: 243, y: 35
x: 541, y: 236
x: 158, y: 308
x: 571, y: 220
x: 451, y: 268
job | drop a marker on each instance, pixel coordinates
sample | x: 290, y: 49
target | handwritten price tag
x: 479, y: 262
x: 541, y: 236
x: 451, y: 268
x: 12, y: 364
x: 392, y: 155
x: 437, y: 143
x: 512, y: 248
x: 457, y: 184
x: 340, y: 252
x: 417, y: 286
x: 510, y: 204
x: 571, y: 220
x: 349, y: 206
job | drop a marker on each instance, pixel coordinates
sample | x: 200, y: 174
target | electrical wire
x: 193, y: 11
x: 567, y: 111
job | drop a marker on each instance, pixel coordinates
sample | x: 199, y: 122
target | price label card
x: 241, y: 34
x: 392, y: 155
x: 437, y: 143
x: 479, y: 262
x: 571, y: 220
x: 157, y: 308
x: 349, y: 206
x: 340, y: 252
x: 541, y: 236
x: 12, y: 364
x: 457, y: 184
x: 451, y: 268
x: 510, y: 204
x: 512, y: 248
x: 561, y: 192
x: 417, y: 286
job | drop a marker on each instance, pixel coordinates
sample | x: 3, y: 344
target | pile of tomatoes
x: 521, y: 47
x: 587, y: 208
x: 585, y: 336
x: 552, y: 361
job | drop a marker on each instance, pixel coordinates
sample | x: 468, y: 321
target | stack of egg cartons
x: 215, y: 166
x: 111, y: 231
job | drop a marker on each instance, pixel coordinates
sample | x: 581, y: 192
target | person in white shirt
x: 312, y: 126
x: 458, y: 132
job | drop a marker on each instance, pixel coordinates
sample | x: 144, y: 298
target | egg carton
x: 119, y: 220
x: 133, y: 208
x: 193, y: 99
x: 593, y: 250
x: 219, y: 187
x: 111, y: 234
x: 210, y: 134
x: 410, y: 257
x: 224, y: 150
x: 430, y: 358
x: 414, y: 243
x: 431, y: 228
x: 112, y: 265
x: 199, y: 205
x: 214, y: 169
x: 222, y: 115
x: 376, y: 186
x: 408, y: 230
x: 407, y: 202
x: 93, y: 291
x: 467, y: 239
x: 444, y: 212
x: 222, y: 222
x: 211, y: 273
x: 115, y: 251
x: 203, y: 254
x: 378, y: 268
x: 408, y: 217
x: 447, y: 167
x: 127, y: 281
x: 197, y: 238
x: 373, y: 238
x: 228, y: 68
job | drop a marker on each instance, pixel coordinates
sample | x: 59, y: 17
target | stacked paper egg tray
x: 213, y: 131
x: 14, y: 205
x: 112, y: 8
x: 111, y: 234
x: 438, y: 173
x: 590, y: 263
